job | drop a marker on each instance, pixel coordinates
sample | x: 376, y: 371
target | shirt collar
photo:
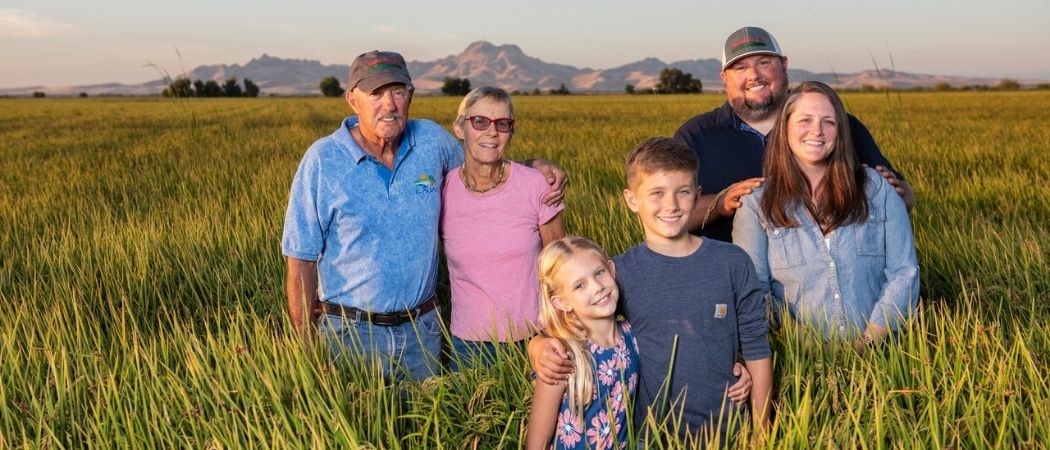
x: 343, y: 137
x: 727, y: 118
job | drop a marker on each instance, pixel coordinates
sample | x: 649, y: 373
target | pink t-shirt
x: 491, y: 243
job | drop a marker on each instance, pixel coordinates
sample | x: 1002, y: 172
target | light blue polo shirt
x: 372, y: 231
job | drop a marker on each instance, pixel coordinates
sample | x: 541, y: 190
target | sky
x: 65, y: 42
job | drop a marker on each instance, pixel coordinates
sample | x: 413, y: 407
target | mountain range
x: 506, y: 66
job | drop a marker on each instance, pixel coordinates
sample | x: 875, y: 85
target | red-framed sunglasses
x: 481, y: 123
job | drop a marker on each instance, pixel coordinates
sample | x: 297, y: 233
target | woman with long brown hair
x: 830, y: 238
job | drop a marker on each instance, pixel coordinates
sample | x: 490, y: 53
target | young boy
x: 675, y: 284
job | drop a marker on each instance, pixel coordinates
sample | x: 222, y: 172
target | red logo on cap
x: 748, y: 42
x: 384, y: 63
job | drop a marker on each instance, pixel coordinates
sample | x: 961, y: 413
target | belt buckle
x: 357, y: 315
x: 393, y: 319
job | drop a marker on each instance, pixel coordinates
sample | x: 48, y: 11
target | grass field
x: 143, y: 280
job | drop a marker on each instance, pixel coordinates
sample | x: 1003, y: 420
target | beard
x: 755, y: 111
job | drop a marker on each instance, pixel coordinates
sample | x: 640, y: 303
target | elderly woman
x: 493, y: 226
x: 830, y: 239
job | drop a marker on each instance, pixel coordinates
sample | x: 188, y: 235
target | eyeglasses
x: 481, y: 123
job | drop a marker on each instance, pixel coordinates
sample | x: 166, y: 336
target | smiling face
x: 587, y: 286
x: 663, y: 200
x: 812, y: 129
x: 383, y: 113
x: 484, y: 146
x: 755, y: 85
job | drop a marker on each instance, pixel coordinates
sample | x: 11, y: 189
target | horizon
x: 116, y: 44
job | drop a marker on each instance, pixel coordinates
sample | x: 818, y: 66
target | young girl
x: 578, y: 305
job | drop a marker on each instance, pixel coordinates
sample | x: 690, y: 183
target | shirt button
x: 831, y: 264
x: 836, y: 296
x: 776, y: 232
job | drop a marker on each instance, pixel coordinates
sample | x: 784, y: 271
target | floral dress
x: 604, y: 425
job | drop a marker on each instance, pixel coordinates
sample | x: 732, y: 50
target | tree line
x: 671, y: 81
x: 183, y: 87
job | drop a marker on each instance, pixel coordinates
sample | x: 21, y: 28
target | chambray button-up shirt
x: 373, y: 231
x: 864, y: 273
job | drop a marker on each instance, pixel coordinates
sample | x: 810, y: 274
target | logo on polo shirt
x: 720, y: 311
x: 425, y: 184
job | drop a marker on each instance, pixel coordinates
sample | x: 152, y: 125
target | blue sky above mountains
x: 63, y: 42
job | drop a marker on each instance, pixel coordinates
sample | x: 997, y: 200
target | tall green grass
x: 143, y: 280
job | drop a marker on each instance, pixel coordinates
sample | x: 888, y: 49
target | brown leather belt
x: 387, y: 320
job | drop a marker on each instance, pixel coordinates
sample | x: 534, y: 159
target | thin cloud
x: 384, y: 29
x: 27, y: 24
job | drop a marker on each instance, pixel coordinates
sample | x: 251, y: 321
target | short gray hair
x: 489, y: 92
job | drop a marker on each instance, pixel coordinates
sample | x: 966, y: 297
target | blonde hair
x: 564, y: 325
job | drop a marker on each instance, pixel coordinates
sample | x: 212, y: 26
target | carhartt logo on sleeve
x: 720, y: 311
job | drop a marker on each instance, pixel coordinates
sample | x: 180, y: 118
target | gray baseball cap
x: 749, y: 41
x: 377, y: 68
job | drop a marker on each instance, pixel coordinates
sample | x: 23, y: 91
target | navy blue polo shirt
x: 731, y: 151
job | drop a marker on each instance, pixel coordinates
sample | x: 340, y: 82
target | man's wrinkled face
x: 383, y: 112
x: 755, y: 85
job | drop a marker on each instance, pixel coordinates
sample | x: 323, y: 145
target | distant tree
x: 942, y: 86
x: 39, y: 94
x: 562, y: 90
x: 536, y: 91
x: 230, y: 88
x: 455, y: 86
x: 1042, y: 86
x: 629, y: 89
x: 330, y: 87
x: 179, y: 87
x: 198, y: 88
x: 674, y: 81
x: 517, y: 92
x: 212, y: 89
x: 1007, y: 84
x: 83, y: 95
x: 250, y: 88
x: 867, y: 88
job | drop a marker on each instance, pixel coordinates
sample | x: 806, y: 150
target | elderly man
x: 361, y: 231
x: 731, y: 140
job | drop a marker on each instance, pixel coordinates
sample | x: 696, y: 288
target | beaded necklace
x: 470, y: 187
